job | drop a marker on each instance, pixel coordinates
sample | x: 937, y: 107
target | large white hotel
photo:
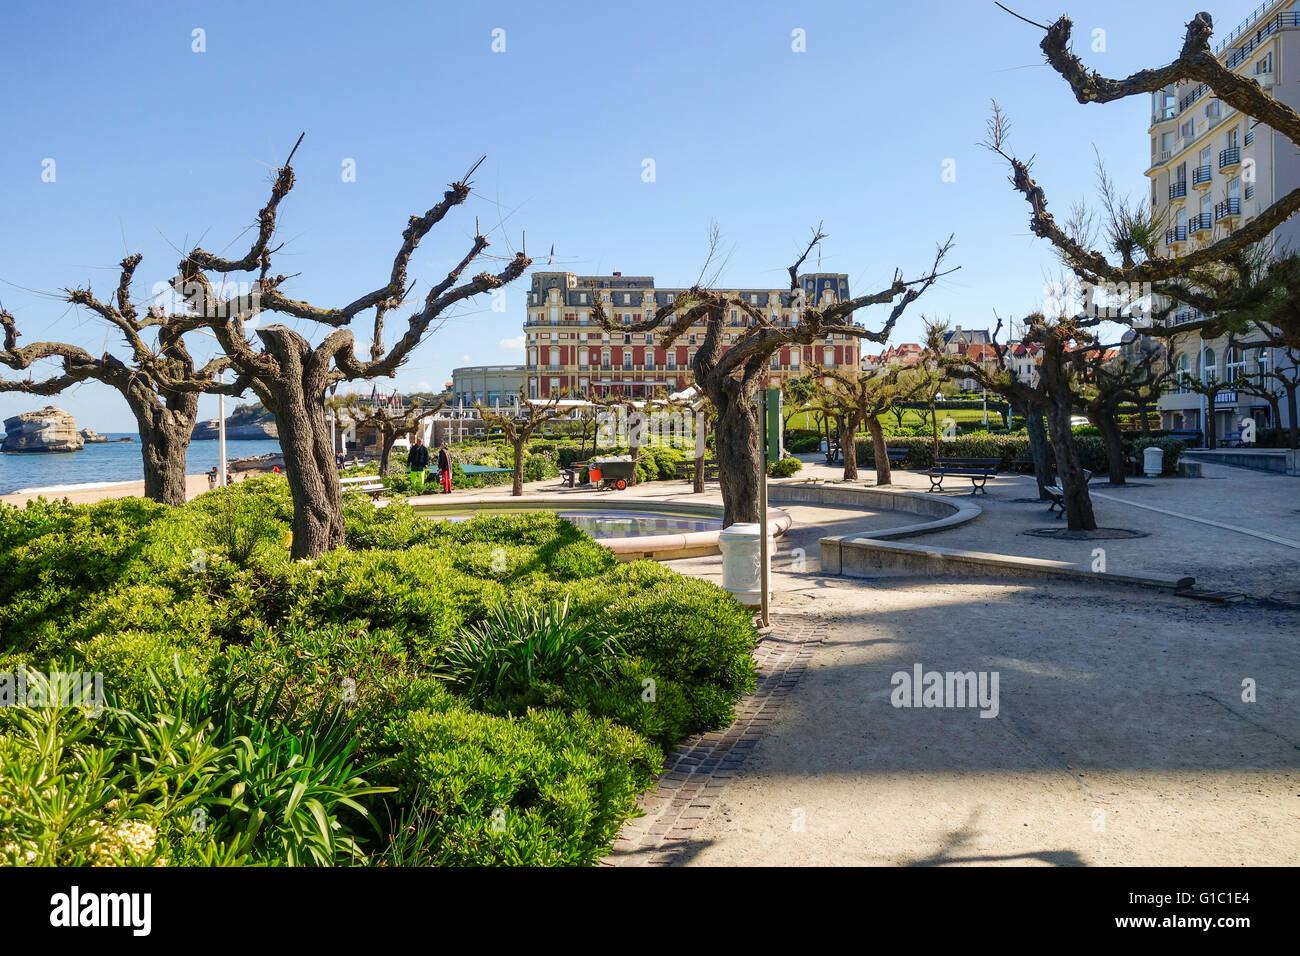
x: 1212, y: 171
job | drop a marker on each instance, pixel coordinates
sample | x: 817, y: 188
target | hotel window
x: 672, y: 359
x: 1188, y: 129
x: 1236, y: 360
x: 555, y: 315
x: 671, y: 296
x: 776, y: 360
x: 627, y: 339
x: 753, y: 299
x: 649, y: 338
x: 582, y: 298
x: 627, y: 359
x: 604, y: 358
x: 794, y: 358
x: 1212, y: 109
x: 582, y: 358
x: 692, y: 341
x: 1210, y: 372
x: 532, y: 357
x: 828, y: 356
x: 532, y: 388
x: 570, y: 316
x: 627, y: 318
x: 1265, y: 65
x: 650, y: 360
x: 627, y: 298
x: 555, y: 358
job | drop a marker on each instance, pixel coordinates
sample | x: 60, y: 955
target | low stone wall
x: 942, y: 512
x: 1284, y: 461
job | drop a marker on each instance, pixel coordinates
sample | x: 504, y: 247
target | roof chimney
x: 619, y: 274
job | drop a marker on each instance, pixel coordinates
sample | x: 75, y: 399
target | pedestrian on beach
x: 417, y: 459
x: 444, y: 466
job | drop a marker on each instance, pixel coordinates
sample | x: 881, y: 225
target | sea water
x: 111, y: 462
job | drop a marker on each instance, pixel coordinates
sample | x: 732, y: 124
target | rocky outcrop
x: 49, y: 430
x: 208, y: 431
x: 92, y: 437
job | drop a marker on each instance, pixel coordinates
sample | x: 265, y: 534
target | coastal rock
x: 207, y: 431
x: 92, y: 437
x: 49, y: 430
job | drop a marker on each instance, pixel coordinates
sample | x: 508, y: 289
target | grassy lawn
x: 911, y: 417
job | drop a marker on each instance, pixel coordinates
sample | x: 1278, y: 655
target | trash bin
x: 1153, y: 461
x: 739, y: 545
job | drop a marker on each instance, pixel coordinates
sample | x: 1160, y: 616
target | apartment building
x: 568, y: 350
x: 1212, y: 171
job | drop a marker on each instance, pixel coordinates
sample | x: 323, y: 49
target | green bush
x: 321, y: 679
x: 784, y: 468
x: 920, y: 450
x: 544, y: 789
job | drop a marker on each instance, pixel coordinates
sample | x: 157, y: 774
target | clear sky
x: 157, y: 147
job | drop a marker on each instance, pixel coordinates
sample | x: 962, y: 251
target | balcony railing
x: 1229, y: 207
x: 1200, y: 175
x: 1250, y: 190
x: 1178, y: 189
x: 1199, y: 223
x: 1229, y: 157
x: 1192, y: 97
x: 1177, y: 234
x: 1250, y: 136
x: 1266, y: 30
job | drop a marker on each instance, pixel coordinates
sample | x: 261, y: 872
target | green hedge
x: 114, y: 588
x: 920, y: 450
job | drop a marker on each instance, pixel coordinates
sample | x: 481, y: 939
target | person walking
x: 444, y: 466
x: 417, y: 459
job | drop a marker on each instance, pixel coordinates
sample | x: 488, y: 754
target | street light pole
x: 221, y: 431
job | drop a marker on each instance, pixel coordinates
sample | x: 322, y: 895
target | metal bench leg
x: 977, y: 486
x: 936, y: 485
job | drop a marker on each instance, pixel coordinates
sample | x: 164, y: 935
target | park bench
x: 1056, y: 494
x: 896, y: 456
x: 569, y: 476
x: 366, y: 484
x: 831, y: 451
x: 1232, y: 440
x: 1189, y: 435
x: 978, y: 470
x: 686, y: 470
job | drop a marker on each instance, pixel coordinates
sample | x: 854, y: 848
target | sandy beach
x: 195, y: 485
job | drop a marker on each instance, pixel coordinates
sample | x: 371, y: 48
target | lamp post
x: 221, y: 431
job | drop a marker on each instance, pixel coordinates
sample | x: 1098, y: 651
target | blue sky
x: 157, y: 147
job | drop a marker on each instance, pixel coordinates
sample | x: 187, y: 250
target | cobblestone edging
x: 698, y: 770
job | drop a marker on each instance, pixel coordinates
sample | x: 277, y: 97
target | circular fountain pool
x: 633, y: 529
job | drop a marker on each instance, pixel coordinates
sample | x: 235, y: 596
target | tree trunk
x: 1038, y: 450
x: 517, y: 487
x: 634, y: 452
x: 386, y: 450
x: 879, y: 449
x: 298, y: 394
x: 1293, y: 424
x: 1114, y: 442
x: 697, y: 486
x: 1078, y: 504
x: 165, y: 435
x: 849, y: 446
x: 736, y: 439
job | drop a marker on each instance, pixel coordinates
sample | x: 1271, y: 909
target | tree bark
x: 1114, y: 442
x: 297, y: 393
x: 386, y: 453
x: 1293, y: 425
x: 1074, y: 486
x: 517, y: 485
x: 884, y: 476
x: 165, y: 435
x: 849, y: 446
x: 736, y: 438
x: 1038, y: 450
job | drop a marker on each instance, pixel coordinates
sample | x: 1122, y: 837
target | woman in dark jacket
x: 444, y: 466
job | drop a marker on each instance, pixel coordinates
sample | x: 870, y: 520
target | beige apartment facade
x: 1212, y: 171
x: 568, y: 351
